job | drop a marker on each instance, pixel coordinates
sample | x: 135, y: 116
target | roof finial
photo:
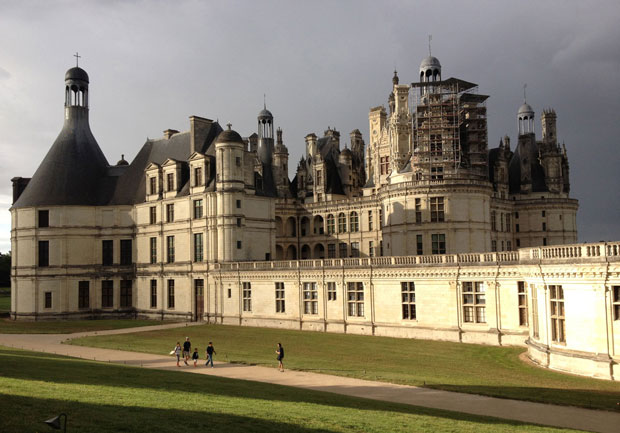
x: 430, y: 38
x: 524, y: 98
x: 264, y: 101
x: 229, y: 126
x: 77, y: 59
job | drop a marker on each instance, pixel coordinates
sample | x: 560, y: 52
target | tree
x: 5, y: 269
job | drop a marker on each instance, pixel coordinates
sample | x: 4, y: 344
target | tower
x: 280, y: 166
x: 265, y: 152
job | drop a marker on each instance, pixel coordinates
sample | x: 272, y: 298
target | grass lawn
x: 5, y: 299
x: 477, y: 369
x: 8, y: 326
x: 99, y: 397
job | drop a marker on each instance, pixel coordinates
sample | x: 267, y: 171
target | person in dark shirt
x: 195, y: 356
x: 187, y: 347
x: 280, y: 353
x: 210, y: 352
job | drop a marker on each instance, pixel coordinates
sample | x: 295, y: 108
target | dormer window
x: 197, y: 176
x: 170, y: 182
x: 153, y: 185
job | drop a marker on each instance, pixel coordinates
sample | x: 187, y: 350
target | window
x: 152, y: 215
x: 616, y: 301
x: 501, y: 221
x: 436, y: 173
x: 238, y: 204
x: 418, y: 211
x: 197, y: 209
x: 311, y: 296
x: 517, y: 215
x: 543, y: 214
x: 238, y: 161
x: 508, y: 246
x: 439, y: 243
x: 474, y: 310
x: 437, y: 210
x: 247, y: 296
x: 153, y: 185
x: 493, y: 221
x: 407, y: 289
x: 153, y: 243
x: 522, y: 293
x: 83, y: 294
x: 493, y: 245
x: 170, y: 212
x: 238, y: 222
x: 381, y: 248
x: 229, y: 293
x: 385, y: 164
x: 381, y: 218
x: 126, y: 254
x: 238, y: 245
x: 170, y: 249
x: 354, y: 224
x: 170, y: 182
x: 355, y: 299
x: 331, y: 251
x: 518, y: 242
x: 508, y: 223
x: 545, y: 242
x: 534, y: 310
x: 107, y: 253
x: 517, y: 228
x: 331, y: 291
x: 371, y: 249
x: 319, y: 177
x: 342, y: 223
x: 44, y: 253
x: 198, y: 247
x: 48, y: 299
x: 369, y: 220
x: 355, y: 249
x: 153, y: 293
x: 107, y: 294
x: 558, y: 327
x: 126, y: 293
x: 170, y: 294
x: 342, y: 247
x: 419, y: 245
x: 331, y: 224
x: 544, y: 227
x: 44, y: 218
x: 197, y: 176
x: 280, y: 306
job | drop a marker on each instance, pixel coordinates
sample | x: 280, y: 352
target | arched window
x: 331, y: 224
x: 354, y: 222
x: 342, y: 223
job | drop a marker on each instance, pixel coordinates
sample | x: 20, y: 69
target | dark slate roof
x: 76, y: 73
x: 72, y: 170
x: 514, y: 171
x: 333, y: 182
x: 229, y: 136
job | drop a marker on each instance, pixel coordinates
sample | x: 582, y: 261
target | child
x: 210, y: 352
x: 280, y: 353
x: 177, y: 351
x: 195, y: 356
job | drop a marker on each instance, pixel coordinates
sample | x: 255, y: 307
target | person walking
x: 210, y: 352
x: 280, y: 353
x: 187, y: 347
x: 195, y: 356
x: 177, y: 351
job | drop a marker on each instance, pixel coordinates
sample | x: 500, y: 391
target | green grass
x: 8, y: 326
x: 100, y: 397
x: 5, y: 299
x: 476, y: 369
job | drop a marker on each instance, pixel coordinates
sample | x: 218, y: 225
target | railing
x: 564, y: 252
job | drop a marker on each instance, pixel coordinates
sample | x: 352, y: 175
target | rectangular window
x: 493, y: 221
x: 197, y: 209
x: 153, y: 245
x: 199, y: 286
x: 342, y: 223
x: 544, y: 227
x: 543, y: 214
x: 153, y: 185
x: 126, y: 253
x: 385, y: 164
x: 407, y: 289
x: 545, y: 242
x: 107, y: 253
x: 508, y: 246
x: 247, y: 296
x: 153, y: 293
x: 516, y: 215
x: 170, y: 182
x: 331, y: 224
x: 534, y: 310
x: 319, y: 177
x: 494, y: 245
x: 355, y: 299
x: 419, y: 245
x: 474, y: 300
x: 331, y: 251
x: 517, y: 228
x: 331, y: 291
x: 354, y: 224
x: 238, y: 204
x: 280, y: 305
x: 342, y: 247
x: 197, y: 176
x: 170, y: 294
x: 107, y: 294
x: 371, y: 249
x: 44, y: 253
x: 238, y: 161
x: 198, y: 247
x: 355, y: 249
x: 152, y: 215
x: 418, y: 210
x: 522, y: 293
x: 170, y: 212
x: 381, y: 248
x: 501, y: 220
x: 616, y: 301
x: 44, y: 218
x: 508, y: 223
x: 170, y: 249
x: 437, y: 209
x: 381, y: 218
x: 436, y: 173
x: 238, y: 245
x: 369, y: 220
x: 311, y: 296
x: 126, y: 289
x: 439, y: 243
x: 48, y: 299
x: 238, y: 222
x: 518, y: 242
x: 83, y: 294
x: 558, y: 326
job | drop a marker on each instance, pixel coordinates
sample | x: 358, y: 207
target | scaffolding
x: 449, y: 130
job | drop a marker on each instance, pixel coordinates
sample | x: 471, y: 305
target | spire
x: 395, y: 78
x: 77, y: 59
x: 430, y: 38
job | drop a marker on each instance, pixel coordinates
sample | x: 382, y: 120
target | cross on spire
x: 524, y: 98
x: 77, y: 59
x: 265, y: 101
x: 430, y: 38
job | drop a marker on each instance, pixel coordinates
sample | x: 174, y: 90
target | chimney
x: 199, y: 127
x: 19, y: 185
x: 169, y: 133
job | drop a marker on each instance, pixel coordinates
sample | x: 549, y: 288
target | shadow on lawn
x: 50, y: 368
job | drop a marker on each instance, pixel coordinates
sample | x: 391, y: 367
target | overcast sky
x: 320, y: 63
